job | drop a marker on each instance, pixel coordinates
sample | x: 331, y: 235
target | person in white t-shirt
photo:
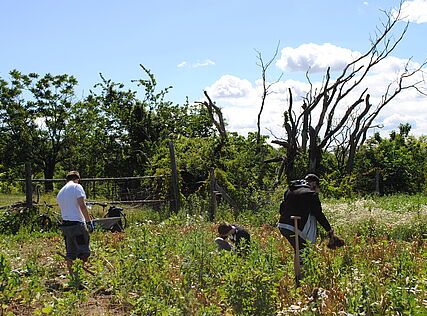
x: 75, y: 218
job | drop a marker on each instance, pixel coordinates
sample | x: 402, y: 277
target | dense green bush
x: 399, y: 161
x: 13, y: 219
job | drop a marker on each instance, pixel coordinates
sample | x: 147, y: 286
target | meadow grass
x: 9, y: 199
x: 167, y: 264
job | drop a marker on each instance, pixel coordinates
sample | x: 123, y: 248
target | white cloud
x: 241, y: 100
x: 182, y: 64
x: 204, y: 63
x: 197, y: 64
x: 392, y: 122
x: 394, y: 65
x: 316, y: 58
x: 414, y: 11
x: 230, y: 87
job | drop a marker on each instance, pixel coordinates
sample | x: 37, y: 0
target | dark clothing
x: 223, y: 244
x: 241, y: 239
x: 76, y: 238
x: 301, y: 200
x: 290, y: 236
x: 240, y: 235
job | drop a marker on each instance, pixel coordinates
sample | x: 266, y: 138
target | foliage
x: 236, y: 165
x: 384, y: 165
x: 399, y: 159
x: 170, y: 266
x: 14, y: 218
x: 111, y: 132
x: 338, y: 187
x: 9, y: 282
x: 37, y: 127
x: 133, y: 129
x: 119, y: 131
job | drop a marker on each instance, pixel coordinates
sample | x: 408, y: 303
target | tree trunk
x: 290, y: 166
x: 49, y: 171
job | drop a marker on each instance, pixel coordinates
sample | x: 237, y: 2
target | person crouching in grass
x: 239, y: 236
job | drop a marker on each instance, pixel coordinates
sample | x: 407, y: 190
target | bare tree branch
x: 337, y: 114
x: 215, y: 110
x: 265, y: 86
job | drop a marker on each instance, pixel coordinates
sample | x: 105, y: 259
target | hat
x: 311, y: 177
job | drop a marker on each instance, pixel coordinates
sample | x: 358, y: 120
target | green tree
x: 135, y: 128
x: 400, y: 160
x: 52, y: 106
x: 16, y: 122
x: 38, y: 116
x: 237, y: 166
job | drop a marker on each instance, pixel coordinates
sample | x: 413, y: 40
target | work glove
x: 334, y: 241
x: 90, y: 226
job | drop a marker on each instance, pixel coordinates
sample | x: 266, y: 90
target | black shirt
x: 240, y: 234
x: 301, y: 200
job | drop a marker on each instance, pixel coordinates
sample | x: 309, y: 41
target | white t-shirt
x: 67, y: 201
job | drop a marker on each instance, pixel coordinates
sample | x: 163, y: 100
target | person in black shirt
x: 302, y: 199
x: 237, y: 234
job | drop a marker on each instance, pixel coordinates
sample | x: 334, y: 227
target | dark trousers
x: 302, y: 245
x: 290, y: 236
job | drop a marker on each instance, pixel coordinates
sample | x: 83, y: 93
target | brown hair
x: 72, y: 175
x: 224, y: 228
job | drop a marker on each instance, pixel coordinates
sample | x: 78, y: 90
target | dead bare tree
x: 216, y: 117
x: 266, y: 86
x: 318, y: 122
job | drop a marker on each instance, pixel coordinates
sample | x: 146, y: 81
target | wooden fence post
x: 176, y: 202
x: 213, y: 204
x: 28, y: 185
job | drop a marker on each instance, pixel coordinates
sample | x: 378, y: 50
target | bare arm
x: 83, y: 208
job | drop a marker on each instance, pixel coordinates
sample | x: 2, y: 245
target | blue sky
x: 204, y: 44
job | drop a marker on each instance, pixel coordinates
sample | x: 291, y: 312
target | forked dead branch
x: 339, y: 112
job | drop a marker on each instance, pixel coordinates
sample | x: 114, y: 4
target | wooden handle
x: 297, y: 268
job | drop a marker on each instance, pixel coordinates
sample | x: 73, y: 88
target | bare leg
x: 70, y: 267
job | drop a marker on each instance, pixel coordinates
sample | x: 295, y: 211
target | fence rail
x: 95, y: 179
x: 174, y: 193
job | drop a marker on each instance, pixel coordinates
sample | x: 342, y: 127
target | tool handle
x: 297, y: 268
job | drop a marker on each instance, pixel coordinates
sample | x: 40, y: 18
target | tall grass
x: 168, y: 265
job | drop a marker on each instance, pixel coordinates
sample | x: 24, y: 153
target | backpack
x: 115, y: 211
x: 282, y: 208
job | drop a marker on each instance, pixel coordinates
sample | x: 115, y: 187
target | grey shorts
x: 76, y: 241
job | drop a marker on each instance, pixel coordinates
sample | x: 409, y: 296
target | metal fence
x: 121, y: 190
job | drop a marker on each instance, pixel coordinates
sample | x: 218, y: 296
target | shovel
x: 297, y: 267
